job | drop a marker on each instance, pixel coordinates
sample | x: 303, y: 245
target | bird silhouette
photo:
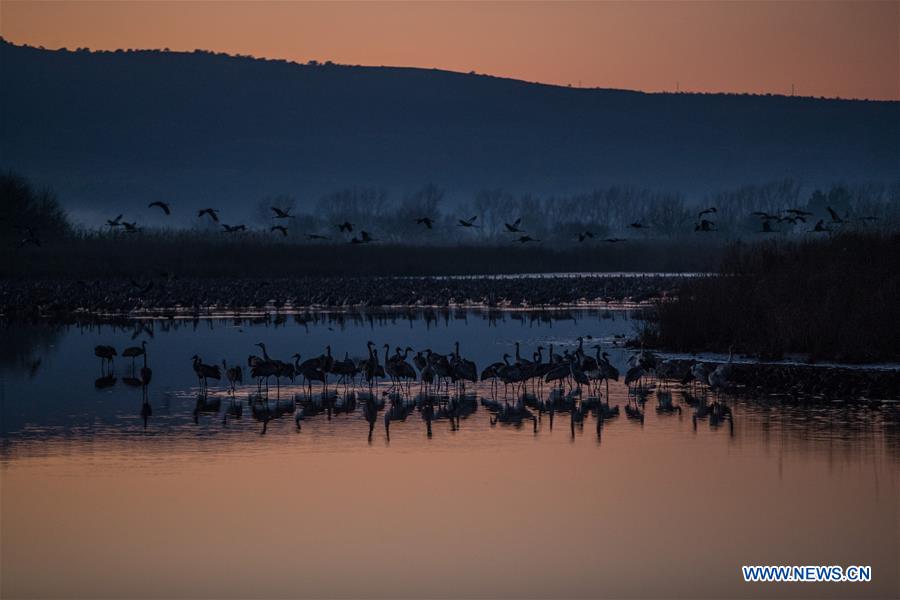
x: 798, y: 212
x: 346, y: 226
x: 282, y: 213
x: 465, y: 223
x: 525, y: 239
x: 835, y: 218
x: 767, y: 227
x: 705, y: 225
x: 512, y: 228
x: 426, y: 221
x: 585, y: 235
x: 706, y: 211
x: 364, y: 238
x: 638, y: 225
x: 212, y: 212
x: 114, y: 222
x: 233, y: 228
x: 820, y: 227
x: 131, y: 227
x: 316, y: 236
x: 615, y: 240
x: 279, y: 228
x: 163, y: 205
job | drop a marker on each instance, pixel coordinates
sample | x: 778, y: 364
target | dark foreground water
x: 124, y: 492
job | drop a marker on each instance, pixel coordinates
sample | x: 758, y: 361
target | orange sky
x: 847, y: 49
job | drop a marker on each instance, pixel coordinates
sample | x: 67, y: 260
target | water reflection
x: 589, y: 475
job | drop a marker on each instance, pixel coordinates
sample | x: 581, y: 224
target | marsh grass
x: 836, y: 298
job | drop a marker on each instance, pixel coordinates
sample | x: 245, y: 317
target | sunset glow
x: 844, y: 49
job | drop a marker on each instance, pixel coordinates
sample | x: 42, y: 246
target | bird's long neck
x: 540, y: 356
x: 265, y: 354
x: 517, y: 352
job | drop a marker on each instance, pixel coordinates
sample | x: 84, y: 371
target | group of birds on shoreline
x: 436, y: 375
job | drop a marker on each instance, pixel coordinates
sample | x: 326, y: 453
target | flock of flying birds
x: 704, y: 223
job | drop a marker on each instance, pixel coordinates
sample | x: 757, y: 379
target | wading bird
x: 106, y: 354
x: 204, y: 371
x: 163, y: 205
x: 234, y: 375
x: 133, y: 352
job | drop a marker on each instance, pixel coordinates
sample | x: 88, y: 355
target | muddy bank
x: 49, y: 299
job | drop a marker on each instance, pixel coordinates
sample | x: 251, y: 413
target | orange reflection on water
x: 658, y: 510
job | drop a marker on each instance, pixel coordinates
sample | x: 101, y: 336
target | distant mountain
x: 120, y: 129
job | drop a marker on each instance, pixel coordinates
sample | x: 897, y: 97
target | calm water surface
x: 200, y: 503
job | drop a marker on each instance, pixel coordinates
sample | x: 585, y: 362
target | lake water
x: 200, y: 503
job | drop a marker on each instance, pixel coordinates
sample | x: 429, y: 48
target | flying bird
x: 820, y: 227
x: 316, y: 236
x: 233, y: 228
x: 114, y: 222
x: 130, y: 227
x: 426, y: 221
x: 280, y: 228
x: 469, y: 223
x: 163, y: 205
x: 585, y: 235
x: 798, y: 212
x: 282, y: 213
x: 525, y: 239
x: 212, y: 212
x: 514, y: 228
x: 711, y: 209
x: 835, y: 218
x: 346, y: 226
x: 638, y: 225
x: 364, y: 238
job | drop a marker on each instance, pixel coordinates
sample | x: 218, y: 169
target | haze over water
x: 200, y: 504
